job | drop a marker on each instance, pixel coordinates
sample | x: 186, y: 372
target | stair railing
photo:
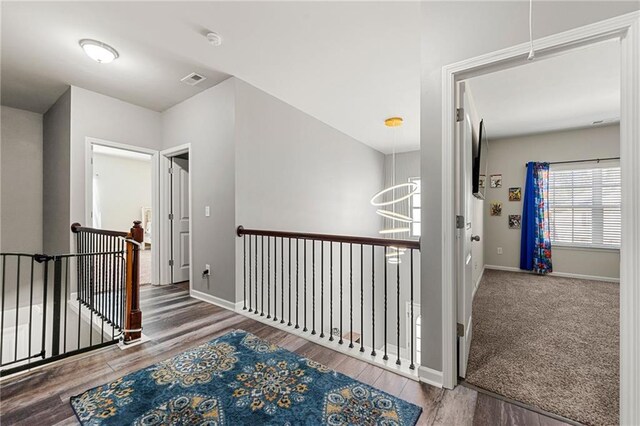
x: 335, y: 287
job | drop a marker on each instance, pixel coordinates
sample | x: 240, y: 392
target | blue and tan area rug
x: 240, y: 379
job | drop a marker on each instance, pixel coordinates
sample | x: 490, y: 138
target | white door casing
x: 625, y: 28
x: 464, y: 210
x: 180, y: 219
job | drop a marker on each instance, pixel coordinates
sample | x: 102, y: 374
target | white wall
x: 56, y: 176
x: 102, y: 117
x: 123, y: 189
x: 206, y: 121
x: 21, y: 188
x: 507, y: 157
x: 451, y: 32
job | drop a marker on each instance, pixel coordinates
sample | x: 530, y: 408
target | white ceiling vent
x: 193, y: 79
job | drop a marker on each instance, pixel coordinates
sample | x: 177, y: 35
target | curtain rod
x: 582, y: 161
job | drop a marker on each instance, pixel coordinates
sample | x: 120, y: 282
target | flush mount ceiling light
x: 98, y: 51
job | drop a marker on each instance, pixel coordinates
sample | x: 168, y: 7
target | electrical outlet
x: 207, y: 267
x: 499, y: 250
x: 207, y: 211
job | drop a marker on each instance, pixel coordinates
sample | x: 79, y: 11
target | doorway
x: 121, y: 187
x: 624, y: 30
x: 176, y: 206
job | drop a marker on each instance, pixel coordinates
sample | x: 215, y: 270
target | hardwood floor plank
x: 175, y: 322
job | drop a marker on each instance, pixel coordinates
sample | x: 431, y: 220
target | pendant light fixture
x: 391, y: 198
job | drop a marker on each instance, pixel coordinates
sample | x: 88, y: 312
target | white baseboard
x: 430, y: 376
x: 555, y: 274
x: 223, y: 303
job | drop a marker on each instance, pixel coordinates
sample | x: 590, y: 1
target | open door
x: 179, y: 218
x: 464, y: 236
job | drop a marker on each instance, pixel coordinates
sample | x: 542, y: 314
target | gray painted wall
x: 21, y: 188
x: 295, y: 173
x: 56, y: 176
x: 206, y: 121
x: 508, y: 156
x: 102, y: 117
x: 451, y: 32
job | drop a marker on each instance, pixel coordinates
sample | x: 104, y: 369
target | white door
x: 464, y: 235
x: 179, y: 220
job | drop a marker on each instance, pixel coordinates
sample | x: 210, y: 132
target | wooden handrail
x: 76, y: 227
x: 384, y: 242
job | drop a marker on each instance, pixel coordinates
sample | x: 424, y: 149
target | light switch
x: 207, y: 211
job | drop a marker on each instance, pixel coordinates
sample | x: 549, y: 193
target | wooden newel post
x: 133, y: 315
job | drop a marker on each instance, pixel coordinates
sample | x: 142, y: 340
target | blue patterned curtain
x: 535, y: 243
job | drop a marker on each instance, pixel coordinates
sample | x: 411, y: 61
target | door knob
x: 475, y: 238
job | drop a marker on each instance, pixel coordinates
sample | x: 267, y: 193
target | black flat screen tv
x: 480, y: 162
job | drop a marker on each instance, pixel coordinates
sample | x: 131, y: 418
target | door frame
x: 165, y: 209
x: 155, y: 201
x: 626, y: 28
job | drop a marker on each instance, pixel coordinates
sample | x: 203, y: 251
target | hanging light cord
x: 531, y: 52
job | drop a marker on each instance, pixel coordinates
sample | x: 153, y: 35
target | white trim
x: 165, y: 241
x: 627, y: 29
x: 223, y: 303
x: 555, y: 274
x: 155, y: 200
x: 430, y: 376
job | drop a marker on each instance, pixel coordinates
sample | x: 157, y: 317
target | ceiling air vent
x: 193, y: 79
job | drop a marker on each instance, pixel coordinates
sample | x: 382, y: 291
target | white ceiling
x: 349, y: 64
x: 567, y: 91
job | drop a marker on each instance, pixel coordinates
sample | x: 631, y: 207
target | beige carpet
x: 549, y: 342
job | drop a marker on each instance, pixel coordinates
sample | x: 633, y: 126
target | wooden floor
x: 174, y: 322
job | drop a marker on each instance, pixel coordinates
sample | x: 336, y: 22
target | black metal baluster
x: 321, y: 288
x: 244, y: 266
x: 262, y: 275
x: 112, y: 287
x: 341, y: 274
x: 412, y: 366
x: 15, y: 352
x: 398, y: 309
x: 256, y: 271
x: 268, y: 277
x: 4, y: 268
x: 281, y: 280
x: 297, y: 281
x: 330, y: 291
x: 45, y: 289
x: 373, y: 301
x: 57, y: 295
x: 313, y: 287
x: 103, y: 285
x: 250, y: 282
x: 350, y: 295
x: 385, y: 357
x: 30, y: 307
x: 289, y: 323
x: 66, y: 298
x: 361, y: 297
x: 275, y: 278
x: 304, y: 271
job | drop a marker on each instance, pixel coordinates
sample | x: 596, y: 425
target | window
x: 415, y: 209
x: 584, y: 206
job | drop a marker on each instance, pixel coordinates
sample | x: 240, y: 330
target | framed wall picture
x: 515, y: 221
x: 515, y: 194
x: 495, y: 181
x: 495, y: 209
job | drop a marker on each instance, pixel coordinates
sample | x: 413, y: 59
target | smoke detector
x: 214, y: 38
x: 193, y: 79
